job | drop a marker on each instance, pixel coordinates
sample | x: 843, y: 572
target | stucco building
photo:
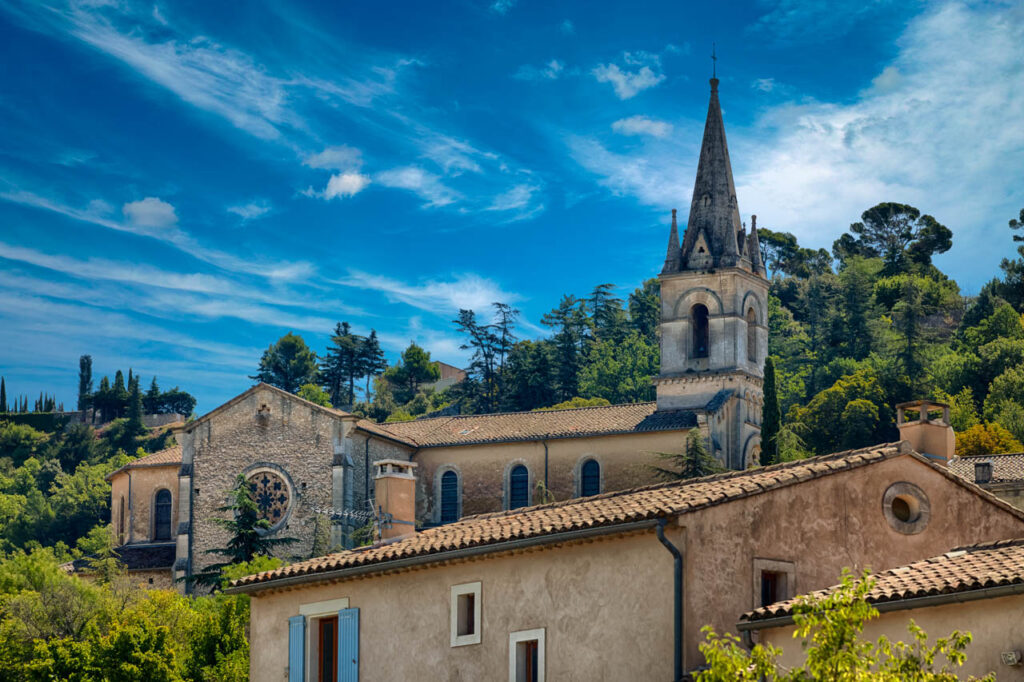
x: 1002, y: 475
x: 977, y: 589
x: 615, y: 586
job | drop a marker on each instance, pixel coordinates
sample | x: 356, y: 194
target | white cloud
x: 344, y: 185
x: 550, y: 71
x: 568, y: 28
x: 251, y: 210
x: 763, y: 84
x: 642, y: 125
x: 629, y: 83
x: 503, y: 6
x: 799, y: 20
x: 427, y: 185
x: 95, y: 214
x: 339, y: 158
x: 465, y: 291
x: 655, y: 179
x: 151, y: 212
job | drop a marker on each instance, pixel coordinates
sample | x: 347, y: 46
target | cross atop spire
x: 714, y: 63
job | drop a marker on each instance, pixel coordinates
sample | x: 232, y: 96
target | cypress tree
x: 135, y: 427
x: 120, y: 396
x: 3, y: 395
x: 772, y: 418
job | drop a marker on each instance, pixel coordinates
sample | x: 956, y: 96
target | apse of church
x: 714, y: 314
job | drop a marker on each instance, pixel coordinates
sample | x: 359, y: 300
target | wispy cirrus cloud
x: 551, y: 71
x: 428, y: 186
x: 642, y: 125
x: 463, y: 291
x: 153, y: 223
x: 790, y: 20
x: 251, y: 210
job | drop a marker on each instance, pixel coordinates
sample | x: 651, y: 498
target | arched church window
x: 590, y: 478
x: 699, y: 317
x: 272, y: 494
x: 162, y: 515
x: 518, y: 487
x: 751, y: 335
x: 449, y: 497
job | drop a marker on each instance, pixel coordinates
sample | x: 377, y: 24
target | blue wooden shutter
x: 590, y: 478
x: 519, y: 487
x: 297, y: 649
x: 449, y: 497
x: 348, y: 645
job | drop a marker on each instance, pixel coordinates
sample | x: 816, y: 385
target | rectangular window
x: 526, y: 656
x: 772, y: 587
x: 465, y: 614
x: 328, y: 649
x: 774, y: 581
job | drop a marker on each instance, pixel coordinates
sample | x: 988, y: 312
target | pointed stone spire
x: 754, y: 249
x: 713, y: 209
x: 672, y: 256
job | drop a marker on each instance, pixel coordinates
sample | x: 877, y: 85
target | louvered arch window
x: 449, y: 497
x: 590, y: 478
x: 518, y: 487
x: 162, y: 515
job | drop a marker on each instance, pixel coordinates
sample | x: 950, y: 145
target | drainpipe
x: 546, y: 488
x: 677, y: 600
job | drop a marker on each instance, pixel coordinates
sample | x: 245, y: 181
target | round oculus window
x: 906, y: 508
x: 272, y: 494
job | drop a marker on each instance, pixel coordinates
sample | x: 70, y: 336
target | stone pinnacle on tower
x: 672, y: 256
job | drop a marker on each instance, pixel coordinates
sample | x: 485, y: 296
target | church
x: 312, y: 467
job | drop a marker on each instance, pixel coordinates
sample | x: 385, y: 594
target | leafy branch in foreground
x: 830, y: 626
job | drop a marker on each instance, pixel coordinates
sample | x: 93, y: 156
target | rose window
x: 271, y: 494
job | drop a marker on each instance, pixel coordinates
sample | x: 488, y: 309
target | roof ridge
x: 992, y: 544
x: 993, y: 454
x: 538, y: 411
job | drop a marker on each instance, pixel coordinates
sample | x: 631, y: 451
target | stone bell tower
x: 714, y: 309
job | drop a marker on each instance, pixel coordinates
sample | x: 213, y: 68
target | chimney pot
x: 928, y: 430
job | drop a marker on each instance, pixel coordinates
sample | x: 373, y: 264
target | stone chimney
x: 395, y: 495
x: 925, y: 425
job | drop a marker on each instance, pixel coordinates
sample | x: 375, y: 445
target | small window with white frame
x: 465, y: 614
x: 526, y: 656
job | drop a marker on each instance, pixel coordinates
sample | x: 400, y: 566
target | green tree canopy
x: 896, y: 233
x: 287, y: 364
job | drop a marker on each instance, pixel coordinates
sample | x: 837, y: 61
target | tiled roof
x: 163, y: 458
x: 964, y: 569
x: 136, y: 557
x: 606, y: 510
x: 520, y: 426
x: 1005, y: 468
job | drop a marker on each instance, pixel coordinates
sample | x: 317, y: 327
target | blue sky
x: 182, y: 183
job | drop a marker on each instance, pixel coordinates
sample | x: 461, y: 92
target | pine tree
x: 771, y: 419
x: 3, y: 395
x: 288, y: 364
x: 249, y: 537
x: 151, y: 401
x: 371, y: 360
x: 694, y: 462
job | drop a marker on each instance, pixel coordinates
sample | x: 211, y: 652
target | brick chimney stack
x: 927, y: 430
x: 395, y: 494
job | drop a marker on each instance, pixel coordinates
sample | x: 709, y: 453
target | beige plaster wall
x: 603, y: 605
x: 144, y: 483
x: 607, y: 605
x: 823, y: 526
x: 996, y: 625
x: 626, y: 462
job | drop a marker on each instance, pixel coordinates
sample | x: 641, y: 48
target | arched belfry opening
x: 752, y: 335
x: 701, y: 332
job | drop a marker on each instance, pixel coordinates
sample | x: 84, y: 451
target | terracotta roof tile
x: 168, y: 457
x: 608, y: 509
x: 1005, y: 468
x: 519, y: 426
x: 960, y: 570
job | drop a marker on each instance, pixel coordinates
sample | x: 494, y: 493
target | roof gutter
x: 902, y: 604
x: 380, y: 567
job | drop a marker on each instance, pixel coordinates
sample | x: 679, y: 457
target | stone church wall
x: 262, y: 430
